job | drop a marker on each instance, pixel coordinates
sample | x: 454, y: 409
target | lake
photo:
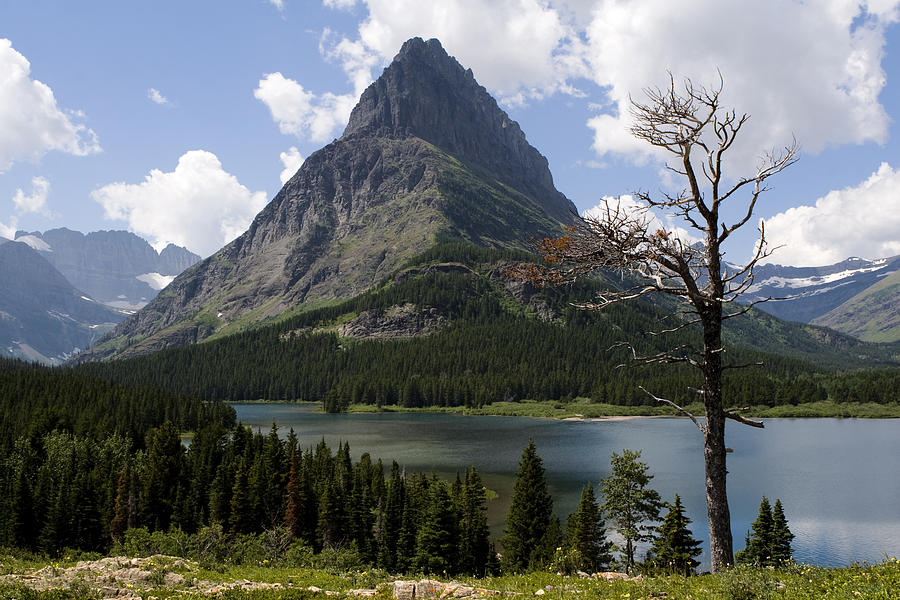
x: 839, y: 479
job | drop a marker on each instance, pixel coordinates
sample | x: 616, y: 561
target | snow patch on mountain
x: 35, y: 242
x: 155, y: 280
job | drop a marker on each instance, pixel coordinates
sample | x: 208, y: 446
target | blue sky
x: 179, y: 120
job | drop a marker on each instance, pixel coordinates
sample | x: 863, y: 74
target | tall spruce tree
x: 759, y: 551
x: 586, y: 533
x: 437, y: 539
x: 630, y: 505
x: 524, y: 539
x: 674, y: 549
x: 475, y: 546
x: 782, y: 537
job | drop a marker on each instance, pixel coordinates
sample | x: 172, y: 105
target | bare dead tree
x: 688, y: 122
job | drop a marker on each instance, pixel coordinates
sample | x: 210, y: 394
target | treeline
x: 491, y: 348
x: 71, y: 491
x: 36, y: 400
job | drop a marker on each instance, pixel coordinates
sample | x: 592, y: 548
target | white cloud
x: 31, y: 122
x: 340, y: 4
x: 302, y: 113
x: 292, y: 159
x: 157, y: 97
x: 9, y: 231
x: 520, y: 49
x: 627, y: 204
x: 792, y: 65
x: 279, y: 4
x: 198, y: 205
x: 37, y: 201
x: 856, y: 221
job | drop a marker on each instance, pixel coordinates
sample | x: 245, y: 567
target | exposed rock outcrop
x: 427, y: 155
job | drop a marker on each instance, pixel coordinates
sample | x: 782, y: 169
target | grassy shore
x: 583, y: 408
x: 169, y: 577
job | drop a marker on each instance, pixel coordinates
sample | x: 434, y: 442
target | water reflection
x: 839, y: 480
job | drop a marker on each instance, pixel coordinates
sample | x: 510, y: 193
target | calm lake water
x: 839, y: 479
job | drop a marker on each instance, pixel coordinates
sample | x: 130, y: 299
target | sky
x: 180, y: 120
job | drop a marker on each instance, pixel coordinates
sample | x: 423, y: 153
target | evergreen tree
x: 294, y: 512
x: 529, y: 515
x: 391, y: 520
x: 585, y: 533
x: 630, y: 505
x: 781, y: 536
x: 437, y: 539
x: 475, y: 547
x: 674, y: 548
x: 165, y: 457
x: 759, y: 549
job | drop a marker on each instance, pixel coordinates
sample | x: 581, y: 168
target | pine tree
x: 585, y: 533
x: 674, y: 548
x: 781, y: 536
x: 391, y: 519
x: 437, y: 539
x: 630, y: 505
x: 758, y: 550
x: 475, y: 547
x: 529, y: 515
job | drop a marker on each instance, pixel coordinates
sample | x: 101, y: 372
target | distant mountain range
x: 117, y: 268
x: 857, y: 296
x: 62, y: 289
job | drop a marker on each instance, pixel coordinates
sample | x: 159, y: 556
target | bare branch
x: 744, y: 420
x: 676, y: 407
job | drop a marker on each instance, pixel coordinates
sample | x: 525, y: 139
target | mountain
x: 872, y: 315
x: 117, y: 268
x: 427, y: 157
x: 815, y: 291
x: 42, y: 316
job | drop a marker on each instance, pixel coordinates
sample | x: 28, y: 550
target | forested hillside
x: 482, y: 337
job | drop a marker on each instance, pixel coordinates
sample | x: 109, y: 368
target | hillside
x: 872, y: 315
x: 450, y: 329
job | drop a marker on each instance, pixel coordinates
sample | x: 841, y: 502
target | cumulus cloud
x: 292, y: 159
x: 9, y: 231
x: 520, y: 49
x: 279, y: 4
x: 157, y: 97
x: 301, y: 113
x: 31, y: 122
x: 839, y: 43
x: 341, y: 4
x: 37, y: 201
x: 856, y: 221
x: 628, y: 205
x: 198, y: 205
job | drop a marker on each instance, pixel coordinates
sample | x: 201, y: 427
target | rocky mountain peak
x: 426, y: 93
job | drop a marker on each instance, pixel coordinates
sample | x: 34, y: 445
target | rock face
x: 117, y: 268
x: 42, y: 317
x: 427, y: 156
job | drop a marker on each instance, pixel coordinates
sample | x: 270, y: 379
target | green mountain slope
x: 458, y: 332
x: 872, y: 315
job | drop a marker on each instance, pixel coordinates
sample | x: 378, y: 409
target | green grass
x: 584, y: 408
x: 794, y: 582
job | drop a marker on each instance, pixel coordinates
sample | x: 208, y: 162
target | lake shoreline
x: 584, y: 410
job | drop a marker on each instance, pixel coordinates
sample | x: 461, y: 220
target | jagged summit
x: 426, y: 93
x: 427, y: 156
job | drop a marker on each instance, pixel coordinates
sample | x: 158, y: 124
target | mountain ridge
x: 117, y: 268
x: 362, y: 206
